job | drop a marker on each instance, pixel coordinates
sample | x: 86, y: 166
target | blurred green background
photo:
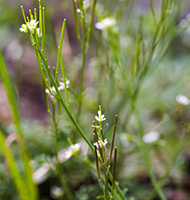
x: 156, y: 102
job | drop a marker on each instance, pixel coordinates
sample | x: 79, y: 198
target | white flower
x: 100, y: 144
x: 23, y: 28
x: 62, y: 85
x: 105, y: 23
x: 101, y: 117
x: 31, y: 25
x: 152, y: 136
x: 96, y: 144
x: 78, y: 10
x: 53, y: 90
x: 182, y: 100
x: 73, y: 149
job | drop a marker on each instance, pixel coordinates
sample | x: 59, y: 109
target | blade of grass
x: 59, y: 49
x: 20, y: 184
x: 16, y: 118
x: 11, y: 94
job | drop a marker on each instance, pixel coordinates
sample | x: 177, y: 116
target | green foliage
x: 134, y: 66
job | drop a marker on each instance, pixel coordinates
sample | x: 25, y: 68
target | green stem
x: 119, y: 194
x: 82, y: 78
x: 58, y: 165
x: 76, y: 22
x: 106, y: 171
x: 118, y: 189
x: 84, y: 45
x: 59, y: 50
x: 66, y: 89
x: 153, y: 11
x: 44, y: 32
x: 38, y: 53
x: 97, y: 170
x: 114, y: 172
x: 89, y: 33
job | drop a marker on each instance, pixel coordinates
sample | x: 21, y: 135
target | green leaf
x: 109, y: 133
x: 105, y: 129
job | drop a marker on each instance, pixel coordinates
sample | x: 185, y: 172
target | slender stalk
x: 89, y: 33
x: 153, y: 11
x: 106, y: 182
x: 113, y: 139
x: 76, y: 22
x: 66, y: 89
x: 38, y: 53
x: 44, y: 33
x: 66, y: 108
x: 84, y: 44
x: 82, y: 77
x: 98, y: 170
x: 58, y: 165
x: 114, y: 172
x: 17, y: 178
x: 118, y: 194
x: 40, y: 25
x: 59, y: 49
x: 118, y: 189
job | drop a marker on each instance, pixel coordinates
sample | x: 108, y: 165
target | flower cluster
x: 106, y: 23
x: 31, y: 27
x: 101, y: 117
x: 100, y: 144
x: 73, y: 149
x: 62, y: 85
x: 52, y: 92
x: 102, y: 156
